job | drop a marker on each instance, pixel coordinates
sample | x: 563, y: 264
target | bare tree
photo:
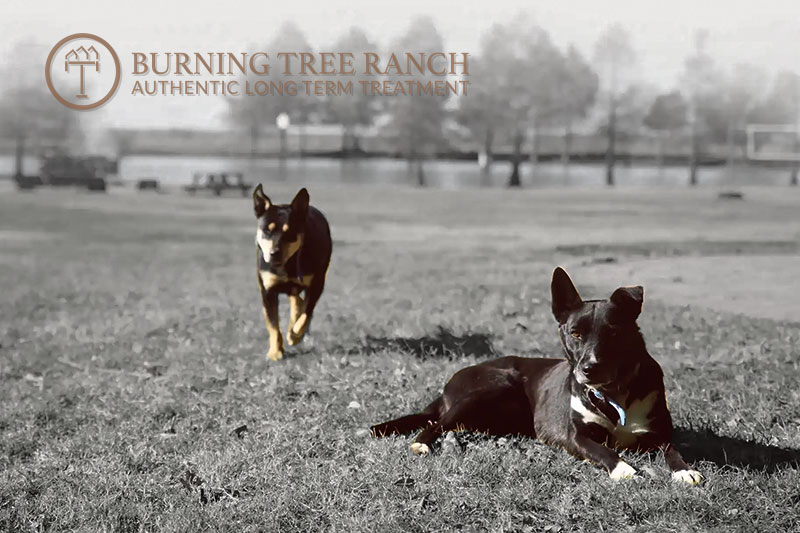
x: 29, y: 114
x: 416, y: 121
x: 486, y: 110
x: 529, y: 84
x: 254, y: 113
x: 359, y: 108
x: 699, y: 79
x: 615, y: 55
x: 576, y: 89
x: 520, y: 81
x: 667, y: 114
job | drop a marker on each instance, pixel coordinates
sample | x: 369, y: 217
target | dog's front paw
x: 275, y: 354
x: 622, y: 471
x: 692, y: 477
x: 293, y: 338
x: 298, y: 330
x: 420, y: 448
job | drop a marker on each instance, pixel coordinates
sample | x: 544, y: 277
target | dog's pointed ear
x: 260, y: 201
x: 629, y: 300
x: 565, y: 297
x: 300, y: 205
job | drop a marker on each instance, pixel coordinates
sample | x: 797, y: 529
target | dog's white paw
x: 420, y: 448
x: 292, y: 339
x: 622, y: 471
x: 692, y: 477
x: 275, y: 354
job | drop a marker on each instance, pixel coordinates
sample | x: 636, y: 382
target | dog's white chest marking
x: 637, y: 419
x: 268, y: 279
x: 588, y: 416
x: 638, y: 422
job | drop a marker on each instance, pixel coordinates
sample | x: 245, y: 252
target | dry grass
x: 132, y: 347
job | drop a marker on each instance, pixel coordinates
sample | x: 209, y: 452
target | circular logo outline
x: 48, y: 64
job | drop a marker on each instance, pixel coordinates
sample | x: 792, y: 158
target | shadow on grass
x: 704, y: 445
x: 442, y: 344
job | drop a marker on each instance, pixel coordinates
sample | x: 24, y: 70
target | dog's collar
x: 600, y: 401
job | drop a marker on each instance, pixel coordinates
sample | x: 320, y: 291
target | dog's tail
x: 409, y: 423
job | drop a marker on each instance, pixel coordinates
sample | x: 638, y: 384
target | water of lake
x: 178, y: 170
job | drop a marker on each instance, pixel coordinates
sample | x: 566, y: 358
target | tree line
x: 522, y: 83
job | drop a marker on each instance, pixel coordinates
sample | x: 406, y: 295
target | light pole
x: 283, y: 123
x: 796, y: 163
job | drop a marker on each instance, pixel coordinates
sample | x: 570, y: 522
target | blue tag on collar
x: 612, y: 403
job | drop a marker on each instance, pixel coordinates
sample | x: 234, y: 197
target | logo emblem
x: 82, y: 71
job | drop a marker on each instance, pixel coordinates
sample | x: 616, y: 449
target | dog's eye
x: 576, y: 335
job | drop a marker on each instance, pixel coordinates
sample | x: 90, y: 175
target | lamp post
x: 283, y: 123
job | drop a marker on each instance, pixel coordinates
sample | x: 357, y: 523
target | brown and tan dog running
x: 293, y: 253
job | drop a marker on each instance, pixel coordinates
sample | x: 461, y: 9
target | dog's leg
x: 424, y: 440
x: 660, y: 439
x: 585, y: 448
x: 313, y: 293
x: 269, y: 301
x: 402, y: 425
x: 460, y: 416
x: 409, y: 423
x: 476, y: 409
x: 680, y: 470
x: 296, y: 307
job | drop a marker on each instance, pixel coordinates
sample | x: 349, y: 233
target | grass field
x: 132, y: 358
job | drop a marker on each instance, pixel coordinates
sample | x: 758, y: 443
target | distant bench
x: 27, y: 183
x: 148, y: 184
x: 218, y: 182
x: 92, y: 183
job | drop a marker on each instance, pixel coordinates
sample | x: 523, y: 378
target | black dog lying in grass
x: 607, y: 395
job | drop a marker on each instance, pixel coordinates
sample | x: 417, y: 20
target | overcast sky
x: 766, y: 33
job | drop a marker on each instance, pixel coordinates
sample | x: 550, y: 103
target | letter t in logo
x: 74, y: 57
